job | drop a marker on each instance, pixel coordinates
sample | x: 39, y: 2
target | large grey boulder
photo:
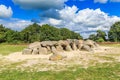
x: 87, y: 48
x: 56, y: 57
x: 43, y: 50
x: 27, y: 51
x: 63, y: 42
x: 34, y: 45
x: 48, y: 43
x: 68, y: 48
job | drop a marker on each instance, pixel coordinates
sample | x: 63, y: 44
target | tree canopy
x: 36, y: 32
x: 114, y: 33
x: 100, y: 36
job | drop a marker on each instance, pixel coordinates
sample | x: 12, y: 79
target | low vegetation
x: 100, y: 72
x: 6, y: 49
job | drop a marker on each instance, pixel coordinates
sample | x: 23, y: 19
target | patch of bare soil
x: 73, y: 58
x: 18, y: 56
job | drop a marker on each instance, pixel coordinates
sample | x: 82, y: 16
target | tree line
x: 36, y: 32
x: 47, y: 32
x: 113, y: 34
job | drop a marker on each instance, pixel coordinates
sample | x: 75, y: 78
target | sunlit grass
x: 111, y: 45
x: 106, y: 71
x: 6, y: 49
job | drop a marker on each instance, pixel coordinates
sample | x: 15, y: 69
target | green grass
x: 106, y: 71
x: 111, y: 45
x: 106, y: 57
x: 6, y: 49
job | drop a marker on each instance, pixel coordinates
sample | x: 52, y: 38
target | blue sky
x: 112, y: 8
x: 82, y: 16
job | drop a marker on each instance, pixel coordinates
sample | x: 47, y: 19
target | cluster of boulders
x: 56, y: 47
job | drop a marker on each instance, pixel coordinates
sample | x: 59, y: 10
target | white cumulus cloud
x: 54, y: 21
x: 15, y: 24
x: 83, y: 21
x: 5, y: 12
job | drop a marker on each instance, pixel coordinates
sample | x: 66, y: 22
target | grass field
x: 110, y: 44
x: 101, y: 71
x: 6, y: 49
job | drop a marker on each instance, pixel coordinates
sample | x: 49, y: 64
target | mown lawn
x: 105, y: 71
x: 6, y: 49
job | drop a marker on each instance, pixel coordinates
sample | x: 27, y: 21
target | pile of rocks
x: 56, y: 47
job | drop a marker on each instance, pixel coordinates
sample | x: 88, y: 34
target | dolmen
x: 57, y: 47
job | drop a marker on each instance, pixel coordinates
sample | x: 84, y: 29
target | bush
x: 100, y: 40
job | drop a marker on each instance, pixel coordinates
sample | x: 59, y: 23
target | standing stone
x: 74, y: 46
x: 68, y: 48
x: 35, y: 51
x: 48, y: 49
x: 54, y: 50
x: 80, y: 44
x: 59, y: 48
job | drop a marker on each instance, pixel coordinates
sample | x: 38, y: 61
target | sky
x: 81, y: 16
